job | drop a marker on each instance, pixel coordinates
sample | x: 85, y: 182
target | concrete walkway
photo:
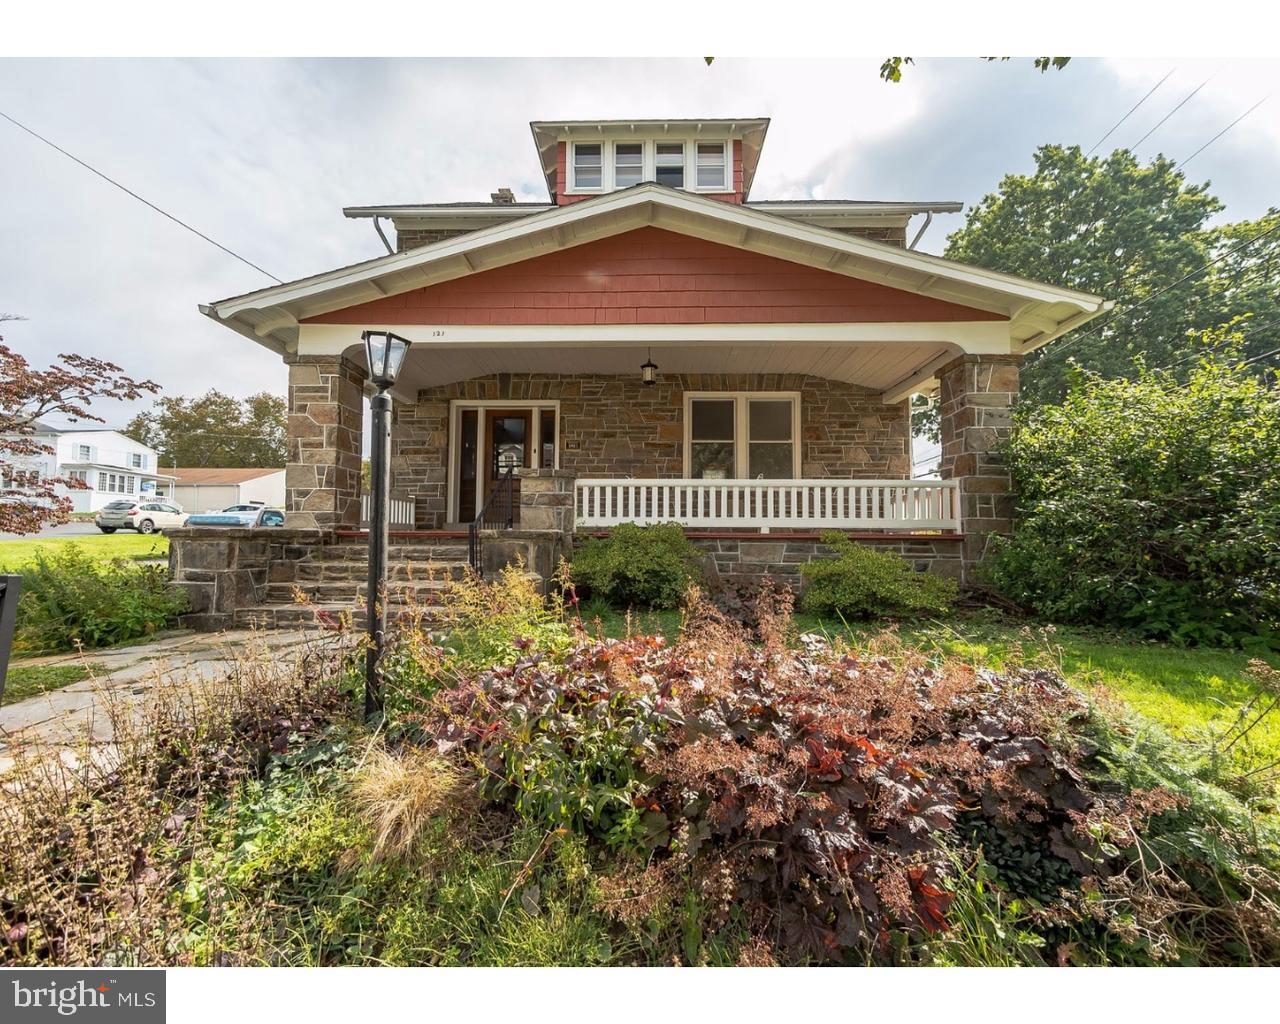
x: 67, y: 717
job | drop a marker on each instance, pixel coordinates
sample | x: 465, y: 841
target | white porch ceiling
x: 878, y: 366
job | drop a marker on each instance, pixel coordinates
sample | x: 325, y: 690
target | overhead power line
x: 1223, y: 132
x: 1131, y: 110
x: 128, y: 191
x: 1170, y: 114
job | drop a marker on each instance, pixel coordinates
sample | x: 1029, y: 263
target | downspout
x: 377, y: 226
x: 928, y: 219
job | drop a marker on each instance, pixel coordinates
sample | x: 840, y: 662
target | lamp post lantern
x: 385, y: 352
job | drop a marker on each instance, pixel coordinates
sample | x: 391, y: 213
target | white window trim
x: 456, y: 406
x: 606, y: 167
x: 648, y: 164
x: 741, y: 441
x: 726, y: 182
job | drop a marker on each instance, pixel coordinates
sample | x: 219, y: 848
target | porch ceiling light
x: 649, y: 371
x: 385, y: 352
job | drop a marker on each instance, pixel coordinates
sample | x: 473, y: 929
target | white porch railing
x: 798, y: 504
x: 399, y: 515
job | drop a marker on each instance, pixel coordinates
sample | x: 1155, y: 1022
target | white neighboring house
x: 111, y: 465
x: 203, y: 489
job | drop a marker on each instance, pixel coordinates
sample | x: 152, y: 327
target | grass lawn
x: 15, y: 554
x: 23, y: 682
x: 1194, y: 693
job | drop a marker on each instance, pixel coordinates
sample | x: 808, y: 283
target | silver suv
x: 143, y: 516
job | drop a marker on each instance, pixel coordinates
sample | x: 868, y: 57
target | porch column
x: 322, y: 478
x: 976, y: 395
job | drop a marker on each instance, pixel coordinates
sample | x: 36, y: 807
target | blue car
x: 245, y: 516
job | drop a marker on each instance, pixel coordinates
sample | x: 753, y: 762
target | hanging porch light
x: 649, y: 371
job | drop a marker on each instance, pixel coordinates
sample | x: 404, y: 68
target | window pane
x: 711, y: 165
x: 771, y: 461
x: 670, y: 164
x: 548, y: 438
x: 628, y: 164
x: 712, y: 419
x: 586, y: 166
x: 711, y: 460
x: 770, y: 420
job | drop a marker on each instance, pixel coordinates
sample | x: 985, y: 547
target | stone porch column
x: 976, y: 395
x: 322, y: 478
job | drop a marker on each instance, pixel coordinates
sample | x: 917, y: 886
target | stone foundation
x: 225, y: 569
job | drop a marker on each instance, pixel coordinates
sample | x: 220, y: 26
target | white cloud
x: 262, y: 155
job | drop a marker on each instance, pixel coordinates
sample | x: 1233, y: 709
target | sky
x: 263, y: 154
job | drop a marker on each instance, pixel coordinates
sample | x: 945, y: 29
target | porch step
x: 325, y: 615
x: 357, y: 571
x: 353, y: 592
x: 356, y: 551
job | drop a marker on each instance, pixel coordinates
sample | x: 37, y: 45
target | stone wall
x: 780, y: 555
x: 976, y: 396
x: 615, y: 426
x: 224, y: 569
x: 322, y: 476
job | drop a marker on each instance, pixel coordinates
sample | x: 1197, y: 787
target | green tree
x: 215, y: 430
x: 1129, y: 232
x: 1153, y: 502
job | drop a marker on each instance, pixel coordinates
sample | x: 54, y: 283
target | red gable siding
x: 653, y: 276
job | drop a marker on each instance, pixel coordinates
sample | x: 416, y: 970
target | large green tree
x: 215, y: 430
x: 1129, y: 232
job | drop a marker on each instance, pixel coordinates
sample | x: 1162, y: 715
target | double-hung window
x: 669, y: 164
x: 588, y: 165
x: 751, y: 436
x: 712, y: 166
x: 83, y: 452
x: 628, y: 164
x: 137, y: 460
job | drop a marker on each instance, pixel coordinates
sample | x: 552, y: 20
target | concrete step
x: 441, y: 551
x: 351, y: 592
x: 325, y: 615
x: 397, y: 572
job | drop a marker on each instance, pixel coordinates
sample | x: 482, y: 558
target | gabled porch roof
x: 1037, y: 312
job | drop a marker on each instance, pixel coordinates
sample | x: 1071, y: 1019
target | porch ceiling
x: 878, y: 366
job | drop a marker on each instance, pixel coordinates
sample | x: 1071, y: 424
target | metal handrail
x: 498, y: 512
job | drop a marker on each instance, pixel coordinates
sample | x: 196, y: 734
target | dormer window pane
x: 669, y: 169
x: 711, y: 165
x: 628, y: 164
x: 587, y: 165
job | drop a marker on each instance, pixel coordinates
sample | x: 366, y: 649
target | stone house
x: 654, y: 344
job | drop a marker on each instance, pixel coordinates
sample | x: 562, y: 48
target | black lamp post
x: 385, y: 352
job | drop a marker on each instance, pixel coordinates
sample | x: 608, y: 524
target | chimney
x: 503, y: 197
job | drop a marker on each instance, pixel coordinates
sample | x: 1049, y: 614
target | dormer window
x: 588, y: 165
x: 628, y: 164
x: 669, y: 164
x: 712, y: 166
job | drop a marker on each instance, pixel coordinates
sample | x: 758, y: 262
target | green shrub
x: 644, y: 566
x: 70, y: 598
x: 862, y: 583
x: 1152, y: 504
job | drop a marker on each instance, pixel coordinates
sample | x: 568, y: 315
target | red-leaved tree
x: 28, y: 495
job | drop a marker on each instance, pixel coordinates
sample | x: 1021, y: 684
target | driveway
x: 64, y: 530
x: 73, y: 719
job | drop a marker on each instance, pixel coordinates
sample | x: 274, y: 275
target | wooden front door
x: 508, y: 445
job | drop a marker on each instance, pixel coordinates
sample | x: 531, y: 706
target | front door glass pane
x: 509, y: 438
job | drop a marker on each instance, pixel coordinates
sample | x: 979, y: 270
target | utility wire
x: 1077, y: 338
x: 1223, y: 132
x: 1131, y: 110
x: 1170, y: 114
x: 145, y: 202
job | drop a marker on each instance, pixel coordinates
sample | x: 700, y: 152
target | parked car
x: 143, y: 516
x: 251, y: 516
